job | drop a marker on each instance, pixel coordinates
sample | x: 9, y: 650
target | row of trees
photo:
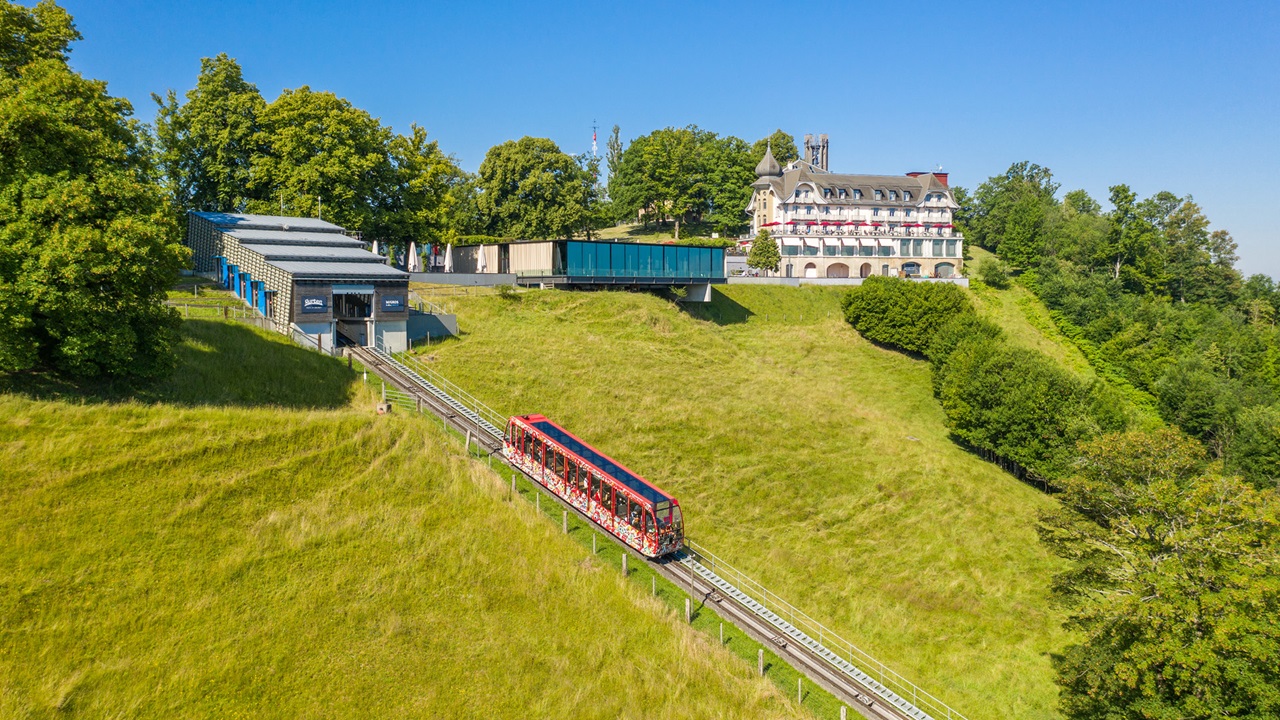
x: 1171, y: 564
x: 223, y: 147
x: 1153, y: 297
x: 685, y: 173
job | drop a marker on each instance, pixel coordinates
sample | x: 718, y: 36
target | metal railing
x: 900, y: 689
x: 491, y: 417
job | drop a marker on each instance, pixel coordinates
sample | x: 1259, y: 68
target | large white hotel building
x: 830, y: 225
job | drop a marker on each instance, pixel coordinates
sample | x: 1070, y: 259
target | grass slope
x: 813, y: 459
x: 266, y: 552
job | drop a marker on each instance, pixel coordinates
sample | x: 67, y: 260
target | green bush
x: 1254, y: 451
x: 902, y: 313
x: 481, y: 240
x: 1017, y: 403
x: 992, y: 272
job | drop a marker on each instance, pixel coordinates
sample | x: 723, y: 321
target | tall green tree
x: 665, y: 174
x: 422, y: 204
x: 1173, y: 585
x: 730, y: 171
x: 530, y: 189
x: 322, y: 156
x: 206, y: 145
x: 1009, y: 213
x: 783, y: 147
x: 87, y: 245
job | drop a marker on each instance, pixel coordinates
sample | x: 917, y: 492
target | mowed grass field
x: 251, y: 540
x: 816, y: 461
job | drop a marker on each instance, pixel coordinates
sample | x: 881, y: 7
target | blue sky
x: 1176, y: 96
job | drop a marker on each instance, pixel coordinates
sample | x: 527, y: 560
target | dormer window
x: 826, y: 192
x: 906, y: 195
x: 857, y: 194
x: 893, y: 194
x: 843, y: 193
x: 879, y: 195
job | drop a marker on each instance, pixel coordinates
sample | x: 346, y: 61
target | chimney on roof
x: 942, y: 177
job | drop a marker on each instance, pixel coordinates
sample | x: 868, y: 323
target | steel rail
x: 822, y: 665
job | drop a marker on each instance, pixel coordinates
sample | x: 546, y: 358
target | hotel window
x: 951, y: 248
x: 904, y: 248
x: 937, y: 248
x: 906, y: 195
x: 917, y: 248
x: 907, y: 212
x: 886, y: 251
x: 857, y: 194
x: 826, y: 192
x: 892, y: 212
x: 875, y: 212
x: 828, y: 249
x: 879, y: 195
x: 790, y: 249
x: 893, y: 194
x: 866, y: 250
x: 843, y: 193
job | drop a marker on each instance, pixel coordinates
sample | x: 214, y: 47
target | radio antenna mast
x: 594, y: 127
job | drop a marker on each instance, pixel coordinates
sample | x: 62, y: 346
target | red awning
x: 875, y: 224
x: 824, y: 222
x: 852, y: 223
x: 861, y: 223
x: 948, y: 225
x: 811, y: 223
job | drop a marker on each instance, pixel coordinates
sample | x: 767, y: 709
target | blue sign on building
x: 392, y: 303
x: 315, y: 304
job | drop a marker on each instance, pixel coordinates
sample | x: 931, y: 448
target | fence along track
x: 879, y: 694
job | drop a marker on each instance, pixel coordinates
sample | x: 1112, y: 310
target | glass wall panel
x: 810, y: 249
x: 866, y: 250
x: 904, y: 248
x: 575, y: 258
x: 668, y: 261
x: 633, y: 260
x: 790, y: 249
x: 602, y: 260
x: 682, y: 262
x: 937, y: 248
x: 885, y: 251
x: 717, y: 263
x: 848, y: 249
x: 951, y: 248
x: 917, y: 248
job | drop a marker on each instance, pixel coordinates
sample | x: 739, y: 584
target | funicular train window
x: 648, y: 522
x: 595, y: 485
x: 620, y: 505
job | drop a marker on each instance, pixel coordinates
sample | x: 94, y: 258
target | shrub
x: 1016, y: 402
x: 992, y: 272
x: 902, y: 313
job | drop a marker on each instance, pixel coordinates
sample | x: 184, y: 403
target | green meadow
x: 249, y: 539
x: 814, y: 460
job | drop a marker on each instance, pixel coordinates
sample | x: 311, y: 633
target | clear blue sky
x: 1178, y: 96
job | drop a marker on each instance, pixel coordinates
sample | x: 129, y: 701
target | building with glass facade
x: 594, y: 263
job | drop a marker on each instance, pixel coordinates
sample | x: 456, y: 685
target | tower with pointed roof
x: 835, y: 225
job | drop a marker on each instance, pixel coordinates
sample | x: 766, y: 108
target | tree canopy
x: 783, y: 147
x: 529, y: 189
x: 87, y: 245
x: 1174, y: 583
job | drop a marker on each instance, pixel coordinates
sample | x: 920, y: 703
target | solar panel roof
x: 588, y: 453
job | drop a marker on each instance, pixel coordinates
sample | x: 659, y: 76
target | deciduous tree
x: 764, y: 253
x: 87, y: 245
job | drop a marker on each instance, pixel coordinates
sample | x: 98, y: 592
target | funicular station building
x: 304, y: 274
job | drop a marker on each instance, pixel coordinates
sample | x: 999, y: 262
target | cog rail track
x: 422, y: 388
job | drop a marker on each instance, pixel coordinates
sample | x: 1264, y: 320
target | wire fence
x: 826, y: 637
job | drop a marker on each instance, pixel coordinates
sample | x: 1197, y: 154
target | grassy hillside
x: 239, y: 547
x: 813, y: 459
x: 1025, y: 319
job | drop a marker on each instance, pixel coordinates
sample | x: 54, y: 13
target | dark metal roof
x: 314, y: 252
x: 292, y: 237
x: 267, y: 222
x: 604, y: 462
x: 346, y: 270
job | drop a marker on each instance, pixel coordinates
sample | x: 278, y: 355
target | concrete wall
x: 392, y: 336
x: 797, y: 282
x: 473, y: 279
x: 437, y: 326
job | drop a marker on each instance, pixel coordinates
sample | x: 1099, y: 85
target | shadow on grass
x: 722, y: 310
x: 218, y: 364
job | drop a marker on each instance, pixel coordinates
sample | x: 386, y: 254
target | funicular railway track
x: 861, y: 691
